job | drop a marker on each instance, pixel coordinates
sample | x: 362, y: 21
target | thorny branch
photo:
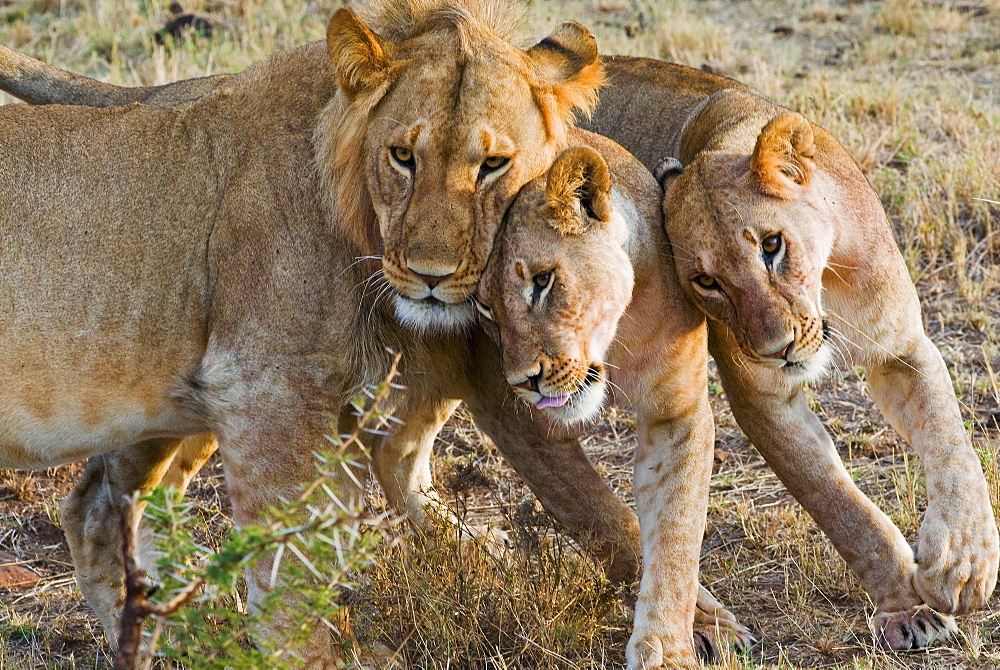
x: 137, y: 604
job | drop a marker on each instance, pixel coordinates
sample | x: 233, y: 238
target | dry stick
x: 137, y: 604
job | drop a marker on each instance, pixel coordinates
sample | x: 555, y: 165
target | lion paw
x: 716, y: 629
x: 915, y: 628
x: 711, y: 639
x: 647, y: 650
x: 957, y: 558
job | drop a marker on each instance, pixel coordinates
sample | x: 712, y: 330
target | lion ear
x: 579, y: 177
x: 782, y: 162
x: 568, y: 63
x: 359, y: 57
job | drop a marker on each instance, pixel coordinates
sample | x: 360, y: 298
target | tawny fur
x: 657, y: 110
x: 752, y: 169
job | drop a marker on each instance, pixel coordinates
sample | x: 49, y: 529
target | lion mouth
x: 592, y: 377
x: 432, y: 314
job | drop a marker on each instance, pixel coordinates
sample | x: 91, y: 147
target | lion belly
x: 103, y: 290
x: 37, y: 432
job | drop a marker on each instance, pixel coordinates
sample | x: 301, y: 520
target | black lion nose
x: 431, y: 280
x: 531, y: 383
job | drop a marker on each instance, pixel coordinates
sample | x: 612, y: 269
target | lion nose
x: 431, y: 274
x: 783, y: 351
x: 431, y: 280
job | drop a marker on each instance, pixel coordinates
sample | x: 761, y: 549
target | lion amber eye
x: 492, y: 164
x: 771, y: 244
x: 705, y: 281
x: 542, y: 279
x: 403, y: 155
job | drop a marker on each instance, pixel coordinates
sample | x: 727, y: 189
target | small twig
x: 137, y: 604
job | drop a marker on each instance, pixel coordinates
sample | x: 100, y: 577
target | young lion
x: 579, y: 249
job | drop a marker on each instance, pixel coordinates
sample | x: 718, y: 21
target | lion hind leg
x: 91, y: 513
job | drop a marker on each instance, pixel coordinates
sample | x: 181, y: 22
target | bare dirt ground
x: 911, y: 87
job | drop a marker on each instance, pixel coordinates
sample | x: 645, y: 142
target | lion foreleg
x: 555, y: 468
x: 402, y: 460
x: 267, y: 438
x: 777, y: 419
x: 673, y: 467
x: 958, y: 552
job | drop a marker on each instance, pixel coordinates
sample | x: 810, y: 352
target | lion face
x: 557, y: 284
x: 750, y: 245
x: 451, y: 122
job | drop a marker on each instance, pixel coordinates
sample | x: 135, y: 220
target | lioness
x: 272, y: 322
x: 783, y: 244
x: 563, y: 341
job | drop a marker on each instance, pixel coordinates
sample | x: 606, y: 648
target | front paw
x: 648, y: 651
x: 957, y: 558
x: 716, y: 630
x: 916, y: 628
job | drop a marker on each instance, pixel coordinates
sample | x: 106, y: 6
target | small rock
x: 14, y: 576
x: 783, y: 30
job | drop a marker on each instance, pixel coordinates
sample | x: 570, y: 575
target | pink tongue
x: 552, y: 401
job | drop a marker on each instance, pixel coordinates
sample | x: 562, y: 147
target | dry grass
x: 912, y: 89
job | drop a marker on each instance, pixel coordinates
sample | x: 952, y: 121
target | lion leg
x: 552, y: 463
x: 192, y: 453
x: 90, y: 517
x: 777, y: 419
x: 958, y: 551
x: 269, y: 428
x: 402, y: 461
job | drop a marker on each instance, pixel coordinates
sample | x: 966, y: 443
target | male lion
x: 563, y: 341
x: 171, y: 271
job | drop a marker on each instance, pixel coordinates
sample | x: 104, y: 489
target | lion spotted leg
x: 90, y: 514
x: 777, y: 419
x: 957, y: 553
x: 401, y: 461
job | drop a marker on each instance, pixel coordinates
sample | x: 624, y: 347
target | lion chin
x: 582, y: 405
x: 433, y: 316
x: 810, y: 369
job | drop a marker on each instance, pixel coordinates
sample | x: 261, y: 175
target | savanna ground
x: 912, y: 89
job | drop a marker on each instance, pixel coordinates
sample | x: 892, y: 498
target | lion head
x: 751, y: 242
x: 557, y: 283
x: 438, y: 122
